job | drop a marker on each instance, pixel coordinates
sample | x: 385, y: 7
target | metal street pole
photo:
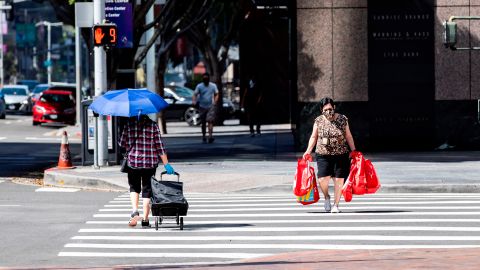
x: 100, y: 62
x: 49, y: 46
x: 49, y: 53
x: 1, y: 49
x: 3, y: 8
x: 150, y: 58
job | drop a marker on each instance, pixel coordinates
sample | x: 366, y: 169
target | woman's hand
x: 169, y: 168
x: 307, y: 156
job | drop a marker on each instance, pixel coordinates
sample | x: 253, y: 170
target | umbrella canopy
x: 128, y: 102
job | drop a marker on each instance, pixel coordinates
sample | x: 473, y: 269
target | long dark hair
x: 326, y: 100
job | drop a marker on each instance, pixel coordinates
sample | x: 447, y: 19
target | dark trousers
x: 253, y: 118
x: 139, y: 180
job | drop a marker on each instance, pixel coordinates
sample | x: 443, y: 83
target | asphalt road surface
x: 88, y: 229
x: 27, y: 150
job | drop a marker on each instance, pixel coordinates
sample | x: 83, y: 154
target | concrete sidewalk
x: 236, y: 162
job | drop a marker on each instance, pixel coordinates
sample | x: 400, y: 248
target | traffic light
x: 105, y: 35
x: 450, y: 34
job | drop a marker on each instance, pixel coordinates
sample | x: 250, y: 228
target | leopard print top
x: 335, y: 131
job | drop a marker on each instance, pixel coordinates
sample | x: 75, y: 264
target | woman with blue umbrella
x: 142, y: 140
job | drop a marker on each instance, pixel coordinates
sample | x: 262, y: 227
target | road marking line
x: 342, y: 236
x: 1, y: 181
x: 197, y: 209
x: 291, y: 199
x: 164, y: 255
x: 50, y: 133
x: 56, y: 189
x: 49, y: 139
x: 345, y: 205
x: 366, y: 196
x: 8, y: 122
x: 17, y: 158
x: 286, y: 221
x: 257, y: 246
x: 10, y: 205
x: 267, y: 215
x: 296, y: 229
x: 3, y: 138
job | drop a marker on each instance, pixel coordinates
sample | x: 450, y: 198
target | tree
x: 214, y: 35
x: 175, y: 18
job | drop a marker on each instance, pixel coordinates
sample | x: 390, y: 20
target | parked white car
x: 16, y: 97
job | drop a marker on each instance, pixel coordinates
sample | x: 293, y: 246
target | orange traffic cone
x: 65, y: 159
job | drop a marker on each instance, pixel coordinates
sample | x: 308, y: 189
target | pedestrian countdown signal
x: 105, y: 35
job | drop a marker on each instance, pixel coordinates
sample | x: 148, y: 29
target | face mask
x: 328, y: 113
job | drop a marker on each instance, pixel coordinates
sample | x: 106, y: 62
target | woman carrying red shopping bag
x: 333, y: 140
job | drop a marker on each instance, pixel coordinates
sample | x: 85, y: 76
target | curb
x: 64, y: 178
x: 57, y: 178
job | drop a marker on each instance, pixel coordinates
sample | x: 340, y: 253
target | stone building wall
x: 332, y: 58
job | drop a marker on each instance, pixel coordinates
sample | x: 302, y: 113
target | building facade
x: 385, y: 65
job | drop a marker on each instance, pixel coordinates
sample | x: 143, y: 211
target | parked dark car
x: 180, y: 106
x: 3, y: 108
x: 54, y: 106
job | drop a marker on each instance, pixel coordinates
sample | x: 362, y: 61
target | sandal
x: 133, y: 219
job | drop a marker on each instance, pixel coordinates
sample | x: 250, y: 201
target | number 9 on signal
x: 105, y: 35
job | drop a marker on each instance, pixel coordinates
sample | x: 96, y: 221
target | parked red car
x: 54, y: 106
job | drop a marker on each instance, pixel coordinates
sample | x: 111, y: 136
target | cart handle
x: 175, y: 173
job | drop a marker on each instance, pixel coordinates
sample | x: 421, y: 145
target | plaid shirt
x: 148, y: 146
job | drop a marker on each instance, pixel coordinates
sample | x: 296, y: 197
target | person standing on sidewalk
x: 206, y: 96
x: 252, y: 104
x: 332, y: 137
x: 145, y: 149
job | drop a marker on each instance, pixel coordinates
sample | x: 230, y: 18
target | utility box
x: 88, y: 136
x: 450, y: 34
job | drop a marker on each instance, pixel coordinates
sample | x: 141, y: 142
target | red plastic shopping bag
x: 312, y: 195
x: 347, y: 190
x: 373, y: 184
x: 304, y: 176
x: 362, y: 178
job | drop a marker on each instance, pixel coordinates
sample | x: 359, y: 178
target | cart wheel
x: 178, y: 219
x: 181, y: 223
x: 156, y: 223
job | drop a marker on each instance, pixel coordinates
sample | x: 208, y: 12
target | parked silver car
x: 16, y: 97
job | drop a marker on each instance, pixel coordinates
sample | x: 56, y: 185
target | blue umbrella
x: 128, y: 102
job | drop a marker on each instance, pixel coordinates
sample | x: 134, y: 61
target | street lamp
x: 49, y: 44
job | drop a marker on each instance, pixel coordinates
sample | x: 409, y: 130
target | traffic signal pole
x: 100, y: 77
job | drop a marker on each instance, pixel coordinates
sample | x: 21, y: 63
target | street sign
x: 120, y: 12
x: 105, y: 35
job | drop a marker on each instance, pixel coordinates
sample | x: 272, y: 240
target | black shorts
x: 139, y: 181
x: 337, y: 166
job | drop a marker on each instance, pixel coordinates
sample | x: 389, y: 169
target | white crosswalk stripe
x: 223, y: 227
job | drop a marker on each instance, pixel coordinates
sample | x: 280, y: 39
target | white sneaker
x: 335, y: 209
x: 327, y: 205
